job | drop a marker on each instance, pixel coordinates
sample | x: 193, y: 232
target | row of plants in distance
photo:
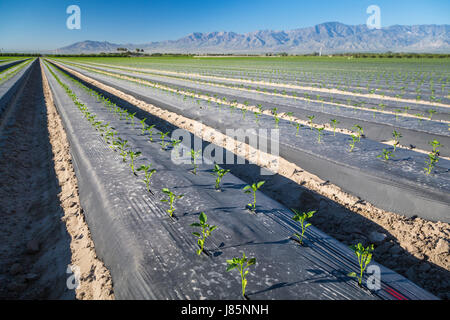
x: 395, y: 84
x: 309, y: 97
x: 356, y: 135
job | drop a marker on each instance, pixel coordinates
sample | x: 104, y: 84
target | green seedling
x: 274, y: 111
x: 219, y: 173
x: 123, y: 145
x: 175, y: 143
x: 241, y: 264
x: 163, y: 143
x: 397, y: 135
x: 431, y: 162
x: 144, y: 126
x: 252, y: 189
x: 257, y: 114
x: 131, y: 118
x: 431, y: 112
x: 297, y: 128
x: 172, y: 196
x: 206, y: 231
x: 147, y: 175
x: 433, y: 157
x: 194, y: 156
x: 353, y: 143
x: 149, y: 129
x: 109, y: 135
x: 244, y: 111
x: 385, y: 155
x: 319, y: 134
x: 290, y: 115
x: 359, y: 130
x: 364, y: 256
x: 277, y: 120
x: 334, y: 123
x: 311, y: 118
x: 302, y: 217
x: 133, y: 156
x: 435, y: 144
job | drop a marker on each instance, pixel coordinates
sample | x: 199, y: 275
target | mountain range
x: 330, y: 37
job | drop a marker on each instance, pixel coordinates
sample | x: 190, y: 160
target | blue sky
x: 41, y: 25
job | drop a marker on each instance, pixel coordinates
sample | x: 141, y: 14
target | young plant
x: 311, y: 118
x: 277, y: 121
x: 241, y: 264
x: 290, y: 115
x: 353, y: 143
x: 397, y: 135
x: 133, y: 156
x: 144, y: 126
x: 431, y: 112
x: 334, y: 122
x: 274, y: 112
x: 147, y: 175
x: 194, y: 156
x: 257, y: 114
x: 219, y: 173
x: 319, y: 134
x: 163, y: 144
x: 435, y: 144
x: 359, y: 130
x: 364, y: 256
x: 205, y: 233
x: 172, y: 197
x: 175, y: 144
x: 123, y: 145
x: 131, y: 118
x: 431, y: 162
x: 302, y: 217
x: 252, y: 189
x: 385, y: 155
x: 433, y: 157
x: 244, y: 111
x: 149, y: 129
x: 297, y: 128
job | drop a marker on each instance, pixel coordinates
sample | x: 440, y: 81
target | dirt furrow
x: 38, y: 193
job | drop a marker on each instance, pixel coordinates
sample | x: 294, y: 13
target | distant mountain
x: 330, y: 37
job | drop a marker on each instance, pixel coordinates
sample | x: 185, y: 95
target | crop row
x: 13, y: 70
x: 356, y: 134
x: 326, y: 99
x: 432, y: 85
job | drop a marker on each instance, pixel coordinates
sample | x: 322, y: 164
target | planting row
x: 11, y: 80
x: 206, y: 227
x: 423, y: 79
x: 416, y: 131
x: 373, y: 103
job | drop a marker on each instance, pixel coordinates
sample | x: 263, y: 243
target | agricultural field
x: 250, y: 178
